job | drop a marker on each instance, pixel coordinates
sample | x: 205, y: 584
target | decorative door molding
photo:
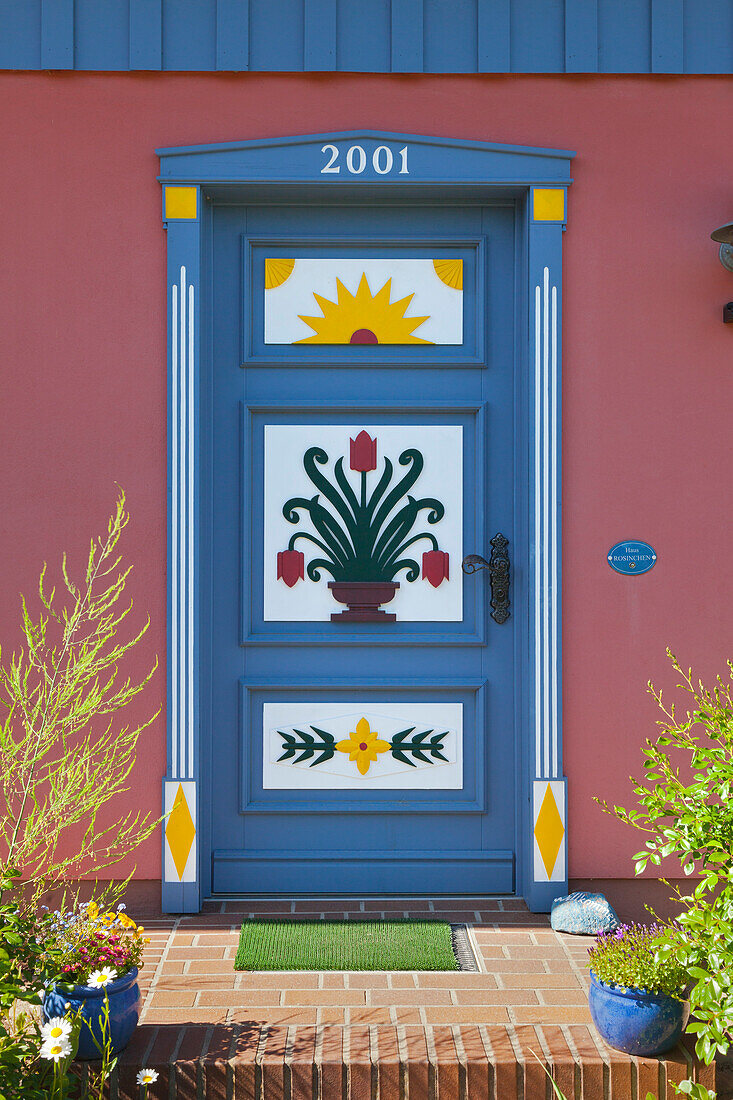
x: 307, y: 166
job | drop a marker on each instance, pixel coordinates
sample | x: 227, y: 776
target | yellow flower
x: 92, y: 910
x: 363, y: 745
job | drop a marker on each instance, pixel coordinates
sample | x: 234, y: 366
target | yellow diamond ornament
x: 180, y: 831
x: 549, y: 831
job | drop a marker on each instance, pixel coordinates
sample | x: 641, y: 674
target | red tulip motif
x: 363, y: 453
x: 435, y: 566
x: 290, y: 566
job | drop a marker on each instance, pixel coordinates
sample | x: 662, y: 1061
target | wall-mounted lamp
x: 724, y: 237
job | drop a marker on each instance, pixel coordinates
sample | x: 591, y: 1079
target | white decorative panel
x: 362, y: 745
x: 376, y: 505
x: 368, y: 301
x: 179, y: 807
x: 549, y: 831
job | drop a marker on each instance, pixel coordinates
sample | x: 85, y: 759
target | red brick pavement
x: 216, y: 1034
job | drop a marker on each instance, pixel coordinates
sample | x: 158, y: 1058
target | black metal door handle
x: 498, y: 566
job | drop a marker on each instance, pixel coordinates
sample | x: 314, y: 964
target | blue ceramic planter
x: 124, y: 1011
x: 634, y: 1021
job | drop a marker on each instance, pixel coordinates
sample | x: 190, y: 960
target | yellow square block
x: 549, y: 204
x: 180, y: 202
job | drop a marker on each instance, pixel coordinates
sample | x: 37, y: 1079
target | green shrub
x: 685, y: 803
x: 21, y: 978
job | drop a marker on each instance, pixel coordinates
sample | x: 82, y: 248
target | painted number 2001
x: 383, y: 161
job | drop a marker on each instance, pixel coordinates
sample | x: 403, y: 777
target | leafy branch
x: 63, y: 753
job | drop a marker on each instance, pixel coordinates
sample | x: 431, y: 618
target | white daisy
x: 56, y: 1049
x: 147, y: 1077
x: 56, y: 1028
x: 102, y: 977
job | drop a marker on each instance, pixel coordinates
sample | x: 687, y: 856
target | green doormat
x: 346, y: 945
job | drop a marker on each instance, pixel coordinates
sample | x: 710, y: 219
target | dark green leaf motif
x: 307, y: 746
x: 363, y: 537
x: 418, y: 746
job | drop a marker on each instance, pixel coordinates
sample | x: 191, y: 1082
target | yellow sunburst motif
x: 277, y: 272
x: 363, y: 745
x: 363, y: 318
x: 450, y: 272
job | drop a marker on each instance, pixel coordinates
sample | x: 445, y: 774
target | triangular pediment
x: 364, y: 157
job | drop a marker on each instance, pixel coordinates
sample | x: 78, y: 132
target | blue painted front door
x: 350, y: 754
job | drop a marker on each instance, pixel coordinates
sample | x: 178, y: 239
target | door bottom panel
x: 466, y: 872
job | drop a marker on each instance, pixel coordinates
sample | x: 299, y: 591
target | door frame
x: 304, y: 168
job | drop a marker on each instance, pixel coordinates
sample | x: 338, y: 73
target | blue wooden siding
x: 432, y: 36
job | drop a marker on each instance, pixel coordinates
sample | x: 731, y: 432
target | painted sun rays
x: 363, y: 301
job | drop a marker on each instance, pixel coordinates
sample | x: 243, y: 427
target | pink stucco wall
x: 647, y: 361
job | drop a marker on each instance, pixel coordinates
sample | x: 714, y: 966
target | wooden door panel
x: 354, y: 745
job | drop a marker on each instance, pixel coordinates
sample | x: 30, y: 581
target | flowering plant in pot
x: 97, y: 957
x: 363, y: 533
x: 637, y: 995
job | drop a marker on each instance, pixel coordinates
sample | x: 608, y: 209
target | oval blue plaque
x: 631, y: 556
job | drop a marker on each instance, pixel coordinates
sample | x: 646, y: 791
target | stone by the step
x: 583, y: 914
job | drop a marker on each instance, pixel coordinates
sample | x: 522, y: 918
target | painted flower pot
x: 635, y: 1021
x: 363, y: 599
x: 124, y: 1011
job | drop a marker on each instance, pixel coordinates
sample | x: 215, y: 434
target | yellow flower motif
x: 363, y: 745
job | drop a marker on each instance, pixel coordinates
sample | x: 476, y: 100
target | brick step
x: 254, y: 1062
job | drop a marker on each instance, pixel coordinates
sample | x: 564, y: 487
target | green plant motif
x: 299, y: 746
x: 359, y: 536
